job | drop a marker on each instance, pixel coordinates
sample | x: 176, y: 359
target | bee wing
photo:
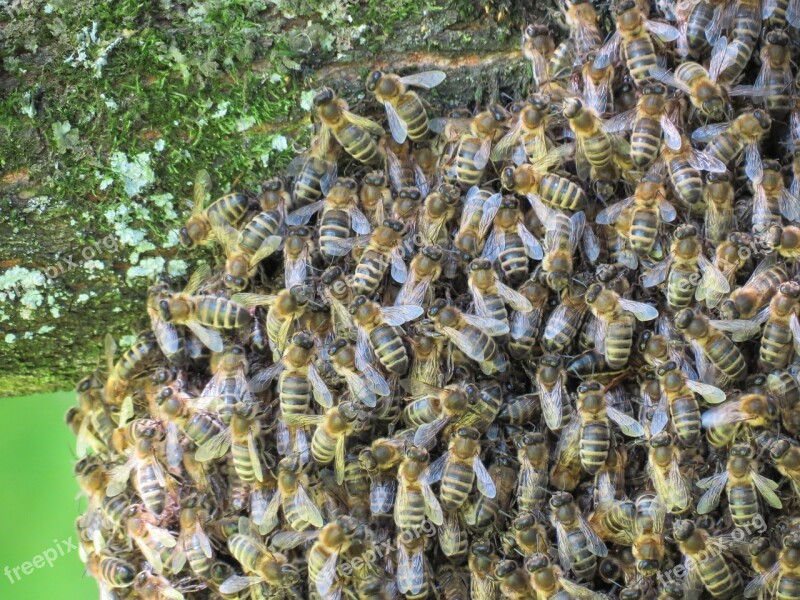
x: 174, y: 450
x: 610, y: 214
x: 153, y: 557
x: 367, y: 124
x: 513, y: 298
x: 382, y: 495
x: 713, y: 281
x: 490, y: 208
x: 494, y: 245
x: 303, y: 215
x: 763, y: 585
x: 713, y: 486
x: 706, y: 133
x: 740, y: 329
x: 409, y: 571
x: 793, y: 13
x: 657, y: 274
x: 629, y: 426
x: 529, y: 241
x: 669, y: 79
x: 178, y: 559
x: 209, y: 337
x: 794, y: 326
x: 578, y: 591
x: 262, y: 380
x: 162, y: 536
x: 237, y: 583
x: 320, y: 390
x: 718, y: 55
x: 201, y: 192
x: 119, y: 475
x: 167, y: 336
x: 577, y: 224
x: 172, y: 593
x: 434, y: 471
x: 551, y: 403
x: 567, y: 446
x: 641, y: 310
x: 660, y: 415
x: 622, y: 122
x: 427, y: 432
x: 666, y: 211
x: 375, y: 381
x: 397, y: 126
x: 562, y: 541
x: 433, y: 509
x: 710, y: 393
x: 766, y: 487
x: 398, y: 315
x: 399, y: 269
x: 485, y: 483
x: 490, y: 326
x: 215, y: 448
x: 252, y: 451
x: 425, y: 80
x: 338, y: 459
x: 508, y: 143
x: 723, y: 414
x: 359, y: 389
x: 544, y: 213
x: 267, y: 248
x: 705, y: 162
x: 605, y: 56
x: 752, y: 163
x: 306, y: 507
x: 663, y: 31
x: 596, y: 95
x: 593, y: 541
x: 126, y: 411
x: 672, y: 136
x: 789, y: 205
x: 196, y: 280
x: 327, y: 575
x: 677, y: 485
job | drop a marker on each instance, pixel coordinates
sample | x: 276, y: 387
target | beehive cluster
x: 539, y: 351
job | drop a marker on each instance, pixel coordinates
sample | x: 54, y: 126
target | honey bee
x: 110, y: 572
x: 193, y: 543
x: 594, y: 152
x: 711, y: 346
x: 745, y: 30
x: 486, y: 512
x: 648, y: 544
x: 471, y: 334
x: 241, y: 439
x: 314, y: 172
x: 353, y: 132
x: 526, y: 325
x: 728, y: 141
x: 364, y: 382
x: 615, y: 321
x: 383, y: 248
x: 582, y: 21
x: 684, y: 165
x: 292, y: 498
x: 375, y: 196
x: 562, y: 234
x: 718, y: 196
x: 706, y: 561
x: 751, y: 410
x: 781, y: 577
x: 527, y: 138
x: 578, y: 544
x: 482, y: 564
x: 131, y: 364
x: 746, y: 301
x: 340, y: 215
x: 439, y: 208
x: 155, y: 543
x: 412, y: 575
x: 549, y: 62
x: 564, y: 323
x: 203, y: 314
x: 260, y: 564
x: 458, y: 468
x: 424, y: 270
x: 534, y: 178
x: 244, y: 250
x: 701, y: 23
x: 742, y: 484
x: 773, y: 84
x: 515, y: 583
x: 405, y: 112
x: 700, y: 85
x: 548, y: 581
x: 149, y: 586
x: 532, y: 454
x: 510, y: 243
x: 489, y: 294
x: 227, y: 210
x: 678, y: 403
x: 477, y: 216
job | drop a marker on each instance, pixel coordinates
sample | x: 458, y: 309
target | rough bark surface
x: 107, y: 109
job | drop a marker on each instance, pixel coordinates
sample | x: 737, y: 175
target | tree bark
x: 110, y: 107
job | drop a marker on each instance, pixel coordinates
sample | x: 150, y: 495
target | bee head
x: 324, y: 96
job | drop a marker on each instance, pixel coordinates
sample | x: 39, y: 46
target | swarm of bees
x: 545, y: 350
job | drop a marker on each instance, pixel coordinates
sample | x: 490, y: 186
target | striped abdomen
x: 136, y: 358
x: 725, y: 147
x: 389, y: 348
x: 528, y: 502
x: 323, y: 446
x: 198, y: 561
x: 742, y: 49
x: 645, y: 141
x: 696, y: 26
x: 721, y: 578
x: 512, y: 258
x: 495, y: 307
x: 202, y: 426
x: 420, y: 411
x: 743, y: 503
x: 457, y: 482
x: 598, y: 150
x: 561, y: 328
x: 594, y: 444
x: 762, y: 221
x: 149, y: 488
x: 726, y: 357
x: 220, y: 313
x: 228, y: 209
x: 262, y: 226
x: 293, y: 513
x: 334, y: 227
x: 229, y: 396
x: 307, y: 187
x: 618, y: 342
x: 294, y: 391
x: 116, y: 572
x: 640, y: 57
x: 686, y: 179
x: 776, y: 346
x: 245, y: 550
x: 584, y: 563
x: 241, y: 460
x: 681, y: 285
x: 412, y: 514
x: 643, y: 229
x: 369, y: 271
x: 357, y: 142
x: 788, y: 587
x: 412, y: 111
x: 467, y: 172
x: 114, y: 509
x: 685, y: 413
x: 560, y: 192
x: 560, y: 64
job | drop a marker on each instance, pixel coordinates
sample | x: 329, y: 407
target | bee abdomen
x: 389, y: 348
x: 456, y: 485
x: 369, y: 272
x: 776, y: 347
x: 244, y: 550
x: 681, y: 286
x: 293, y: 515
x: 357, y: 143
x: 643, y: 230
x: 334, y: 227
x: 641, y: 58
x: 467, y: 172
x: 645, y: 141
x: 560, y: 192
x: 727, y: 358
x: 294, y: 391
x: 242, y: 462
x: 412, y: 111
x: 594, y: 444
x: 686, y: 418
x: 229, y: 208
x: 259, y: 229
x: 719, y: 577
x: 323, y: 447
x: 413, y: 513
x: 618, y: 343
x: 153, y: 495
x: 743, y: 504
x: 584, y: 562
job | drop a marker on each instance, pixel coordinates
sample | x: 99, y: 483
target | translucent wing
x: 427, y: 432
x: 397, y: 126
x: 577, y: 224
x: 789, y: 205
x: 196, y: 280
x: 433, y: 509
x: 303, y: 215
x: 713, y: 281
x: 677, y: 485
x: 368, y: 124
x: 672, y: 136
x: 513, y: 298
x: 425, y: 79
x: 532, y: 246
x: 740, y: 329
x: 237, y: 583
x: 622, y: 122
x: 669, y: 79
x: 321, y: 392
x: 481, y: 157
x: 210, y: 338
x: 759, y: 586
x: 578, y: 591
x: 485, y: 483
x: 359, y: 222
x: 766, y: 487
x: 252, y: 451
x: 667, y: 211
x: 434, y: 471
x: 490, y: 326
x: 713, y: 486
x: 503, y: 148
x: 398, y: 315
x: 629, y: 426
x: 593, y: 541
x: 267, y: 248
x: 327, y: 575
x: 399, y: 269
x: 723, y: 414
x: 551, y: 403
x: 660, y: 415
x: 641, y: 310
x: 718, y: 55
x: 711, y: 394
x: 609, y: 215
x: 215, y: 448
x: 307, y: 508
x: 706, y: 162
x: 262, y: 380
x: 174, y: 450
x: 665, y: 32
x: 706, y: 133
x: 382, y: 495
x: 657, y: 274
x: 490, y: 208
x: 605, y: 56
x: 752, y: 163
x: 564, y: 551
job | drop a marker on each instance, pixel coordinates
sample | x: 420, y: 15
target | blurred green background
x: 38, y: 499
